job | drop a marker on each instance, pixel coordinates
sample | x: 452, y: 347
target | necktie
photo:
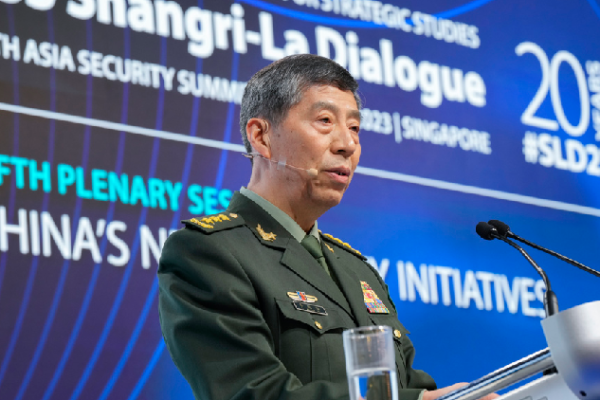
x: 312, y: 245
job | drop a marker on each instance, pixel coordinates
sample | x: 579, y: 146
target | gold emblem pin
x: 301, y: 296
x: 397, y: 333
x: 318, y: 325
x: 269, y: 237
x: 329, y: 247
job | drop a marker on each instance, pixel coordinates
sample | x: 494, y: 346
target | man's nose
x: 344, y: 142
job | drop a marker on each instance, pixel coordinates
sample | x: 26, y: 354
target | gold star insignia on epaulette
x: 269, y: 237
x: 341, y: 242
x: 209, y: 222
x: 201, y: 223
x: 218, y: 218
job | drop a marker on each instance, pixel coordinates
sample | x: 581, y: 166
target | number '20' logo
x: 550, y: 83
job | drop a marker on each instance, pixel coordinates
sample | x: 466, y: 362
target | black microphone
x: 504, y: 231
x: 490, y: 232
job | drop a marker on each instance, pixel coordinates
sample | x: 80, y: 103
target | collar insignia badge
x: 374, y: 305
x: 269, y: 237
x: 301, y: 296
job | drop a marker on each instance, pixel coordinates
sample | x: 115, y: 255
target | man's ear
x: 259, y: 135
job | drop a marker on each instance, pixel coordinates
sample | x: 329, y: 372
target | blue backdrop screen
x: 120, y: 118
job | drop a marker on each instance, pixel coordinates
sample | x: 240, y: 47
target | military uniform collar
x: 281, y: 217
x: 261, y: 223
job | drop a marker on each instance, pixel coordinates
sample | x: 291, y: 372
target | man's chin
x: 330, y: 198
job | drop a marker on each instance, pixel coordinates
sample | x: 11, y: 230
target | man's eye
x: 326, y: 120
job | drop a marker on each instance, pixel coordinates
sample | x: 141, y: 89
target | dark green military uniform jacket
x: 234, y: 332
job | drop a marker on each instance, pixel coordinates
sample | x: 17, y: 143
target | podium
x: 571, y: 363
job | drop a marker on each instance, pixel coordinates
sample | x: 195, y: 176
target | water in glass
x: 373, y: 384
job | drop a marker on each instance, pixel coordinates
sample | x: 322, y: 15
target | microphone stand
x: 551, y: 301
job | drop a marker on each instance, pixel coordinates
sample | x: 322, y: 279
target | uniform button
x: 397, y: 333
x: 318, y: 325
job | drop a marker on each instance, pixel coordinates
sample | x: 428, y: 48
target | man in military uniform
x: 253, y: 301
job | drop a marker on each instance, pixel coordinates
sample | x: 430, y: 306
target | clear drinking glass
x: 371, y: 363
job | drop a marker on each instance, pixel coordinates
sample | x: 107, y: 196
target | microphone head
x: 312, y: 172
x: 500, y: 226
x: 486, y: 231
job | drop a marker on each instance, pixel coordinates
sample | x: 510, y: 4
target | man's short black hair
x: 273, y: 90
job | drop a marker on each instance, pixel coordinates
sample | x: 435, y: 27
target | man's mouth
x: 342, y: 171
x: 339, y: 174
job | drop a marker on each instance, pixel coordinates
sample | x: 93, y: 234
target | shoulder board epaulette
x: 343, y: 245
x: 214, y: 223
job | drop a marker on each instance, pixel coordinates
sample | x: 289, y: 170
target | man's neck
x: 302, y: 213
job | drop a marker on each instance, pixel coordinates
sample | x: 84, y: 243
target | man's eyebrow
x: 323, y: 105
x: 354, y: 114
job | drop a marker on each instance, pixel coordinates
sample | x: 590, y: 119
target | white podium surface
x: 573, y: 338
x: 551, y: 387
